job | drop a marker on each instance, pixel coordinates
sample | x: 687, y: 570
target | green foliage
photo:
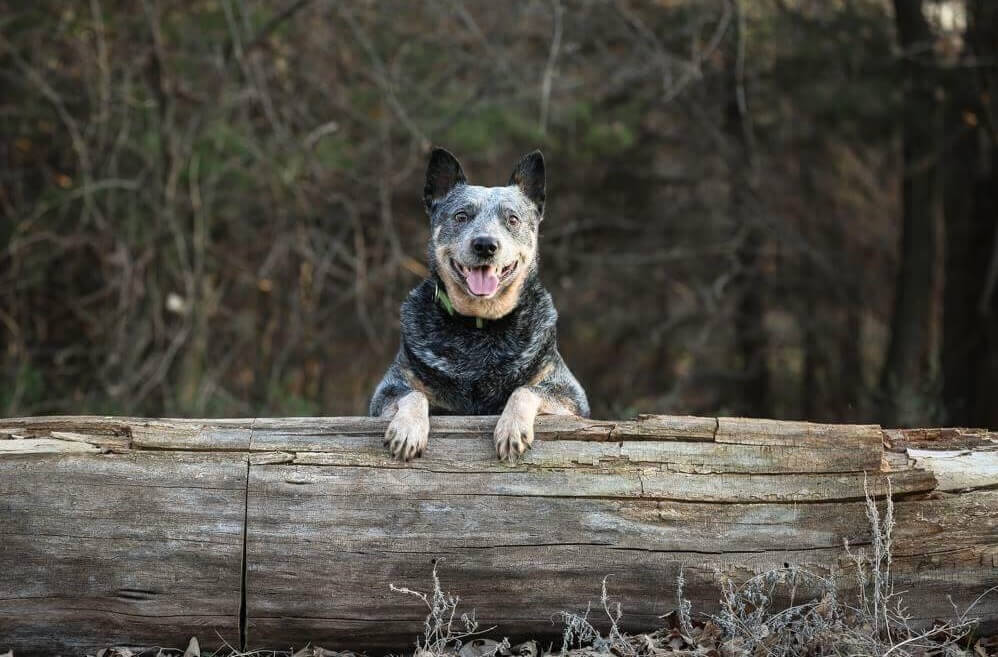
x: 24, y: 387
x: 608, y: 138
x: 333, y: 153
x: 486, y: 128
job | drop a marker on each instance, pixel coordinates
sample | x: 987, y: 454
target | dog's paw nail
x: 512, y: 439
x: 406, y: 437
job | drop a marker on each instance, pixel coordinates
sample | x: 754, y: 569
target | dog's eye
x: 461, y: 217
x: 513, y: 220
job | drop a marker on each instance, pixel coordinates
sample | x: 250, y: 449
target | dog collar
x: 445, y: 302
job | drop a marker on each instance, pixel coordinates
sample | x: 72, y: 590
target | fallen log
x: 269, y: 533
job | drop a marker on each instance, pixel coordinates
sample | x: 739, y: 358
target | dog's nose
x: 485, y: 246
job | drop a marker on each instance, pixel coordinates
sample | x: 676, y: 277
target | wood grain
x: 131, y: 530
x: 752, y: 431
x: 519, y: 560
x: 447, y: 454
x: 97, y: 550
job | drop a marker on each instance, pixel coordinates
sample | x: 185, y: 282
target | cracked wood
x: 133, y: 530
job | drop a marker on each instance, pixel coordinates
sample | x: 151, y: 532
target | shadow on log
x: 268, y: 533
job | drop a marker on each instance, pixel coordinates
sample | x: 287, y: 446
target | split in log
x: 274, y: 532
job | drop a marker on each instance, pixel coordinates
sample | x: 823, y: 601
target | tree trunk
x: 749, y: 327
x: 811, y: 289
x: 904, y: 386
x: 126, y: 531
x: 970, y: 347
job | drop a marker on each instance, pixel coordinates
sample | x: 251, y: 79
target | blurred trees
x: 768, y: 207
x: 908, y: 370
x: 970, y: 320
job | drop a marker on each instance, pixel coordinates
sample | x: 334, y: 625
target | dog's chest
x: 468, y: 357
x: 471, y: 368
x: 474, y: 371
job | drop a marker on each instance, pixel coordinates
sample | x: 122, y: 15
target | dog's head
x: 483, y: 242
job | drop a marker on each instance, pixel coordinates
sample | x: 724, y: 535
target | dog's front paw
x: 515, y: 430
x: 406, y: 437
x: 409, y: 431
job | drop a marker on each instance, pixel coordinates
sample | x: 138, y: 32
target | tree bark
x: 126, y: 531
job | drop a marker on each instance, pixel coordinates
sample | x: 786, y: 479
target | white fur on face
x: 502, y: 302
x: 488, y: 209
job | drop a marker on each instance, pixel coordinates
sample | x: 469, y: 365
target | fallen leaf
x: 525, y: 649
x: 479, y: 648
x: 117, y: 651
x: 193, y: 648
x: 710, y: 632
x: 986, y: 646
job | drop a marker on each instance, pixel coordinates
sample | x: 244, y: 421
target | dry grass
x: 441, y: 636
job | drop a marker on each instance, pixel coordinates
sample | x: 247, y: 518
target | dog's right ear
x: 443, y: 173
x: 528, y: 175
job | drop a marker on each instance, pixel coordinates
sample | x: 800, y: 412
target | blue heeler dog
x: 478, y: 335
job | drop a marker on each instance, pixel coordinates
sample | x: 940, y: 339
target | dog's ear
x: 443, y: 173
x: 528, y: 175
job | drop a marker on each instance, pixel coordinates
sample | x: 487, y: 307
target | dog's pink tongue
x: 483, y: 280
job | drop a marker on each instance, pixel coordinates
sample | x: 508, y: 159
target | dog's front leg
x: 409, y: 430
x: 514, y: 432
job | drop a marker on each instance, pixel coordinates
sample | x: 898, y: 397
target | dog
x: 478, y: 335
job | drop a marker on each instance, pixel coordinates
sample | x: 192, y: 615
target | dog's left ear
x: 528, y: 175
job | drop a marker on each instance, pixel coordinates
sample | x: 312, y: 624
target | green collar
x: 445, y: 302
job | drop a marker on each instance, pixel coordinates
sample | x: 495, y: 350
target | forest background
x: 778, y: 208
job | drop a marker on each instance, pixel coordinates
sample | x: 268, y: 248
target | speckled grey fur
x: 464, y: 368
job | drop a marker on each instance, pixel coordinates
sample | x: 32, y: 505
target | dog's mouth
x: 483, y: 280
